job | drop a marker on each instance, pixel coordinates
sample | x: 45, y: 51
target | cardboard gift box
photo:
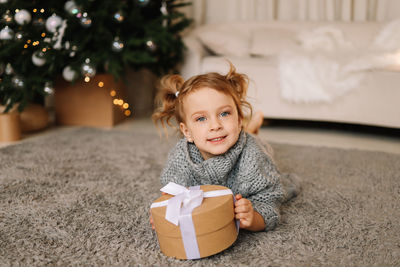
x: 211, y: 228
x: 89, y: 103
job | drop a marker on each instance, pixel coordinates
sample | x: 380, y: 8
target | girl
x: 215, y: 148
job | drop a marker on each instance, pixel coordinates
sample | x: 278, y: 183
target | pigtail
x: 166, y: 100
x: 240, y: 84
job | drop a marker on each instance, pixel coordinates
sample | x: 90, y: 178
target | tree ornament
x: 53, y: 22
x: 19, y: 36
x: 69, y: 74
x: 163, y: 8
x: 38, y: 58
x: 7, y: 17
x: 6, y: 33
x: 85, y: 20
x: 48, y: 88
x: 117, y: 45
x: 23, y: 17
x: 9, y: 69
x: 87, y: 69
x: 17, y: 82
x: 142, y: 2
x: 151, y: 46
x: 119, y: 16
x: 71, y: 7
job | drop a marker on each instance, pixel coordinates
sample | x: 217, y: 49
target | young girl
x: 215, y: 148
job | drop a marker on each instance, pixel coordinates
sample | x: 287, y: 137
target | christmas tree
x: 40, y: 40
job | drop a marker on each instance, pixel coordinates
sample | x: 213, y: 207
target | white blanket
x: 325, y: 75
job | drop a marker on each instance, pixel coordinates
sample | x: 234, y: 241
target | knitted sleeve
x: 261, y: 184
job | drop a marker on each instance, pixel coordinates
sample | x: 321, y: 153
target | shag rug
x: 81, y: 196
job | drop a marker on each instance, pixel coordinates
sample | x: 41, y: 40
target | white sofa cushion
x: 225, y: 41
x: 272, y: 41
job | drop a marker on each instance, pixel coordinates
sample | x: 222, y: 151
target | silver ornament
x: 19, y: 36
x: 118, y: 16
x: 48, y: 88
x: 117, y: 45
x: 151, y: 46
x: 53, y: 22
x: 85, y: 20
x: 71, y: 8
x: 163, y: 8
x: 18, y: 82
x: 23, y: 17
x: 9, y: 69
x: 6, y: 33
x: 69, y: 74
x: 87, y: 69
x: 7, y: 17
x: 38, y: 58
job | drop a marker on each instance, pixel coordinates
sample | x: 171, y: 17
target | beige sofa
x: 331, y: 71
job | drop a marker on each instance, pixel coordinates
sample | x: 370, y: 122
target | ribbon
x: 179, y: 211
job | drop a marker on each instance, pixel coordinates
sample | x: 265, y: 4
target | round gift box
x: 213, y: 220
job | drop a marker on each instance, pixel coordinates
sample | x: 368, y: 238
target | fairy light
x: 100, y: 84
x: 43, y: 34
x: 25, y: 46
x: 127, y: 112
x: 113, y: 93
x: 34, y: 10
x: 17, y: 10
x: 115, y: 101
x: 44, y: 50
x: 29, y: 41
x: 87, y: 79
x: 125, y: 105
x: 42, y: 10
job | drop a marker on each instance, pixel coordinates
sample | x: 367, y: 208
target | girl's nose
x: 215, y: 124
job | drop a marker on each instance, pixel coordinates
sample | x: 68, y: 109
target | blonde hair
x: 173, y: 89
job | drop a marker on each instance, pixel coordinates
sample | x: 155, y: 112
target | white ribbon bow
x: 184, y: 201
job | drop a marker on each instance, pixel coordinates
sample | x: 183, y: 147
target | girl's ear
x: 186, y: 132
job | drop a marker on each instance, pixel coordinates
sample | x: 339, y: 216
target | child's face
x: 211, y: 121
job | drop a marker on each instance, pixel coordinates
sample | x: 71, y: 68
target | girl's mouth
x: 217, y: 139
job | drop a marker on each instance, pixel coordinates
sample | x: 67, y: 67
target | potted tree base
x: 10, y: 129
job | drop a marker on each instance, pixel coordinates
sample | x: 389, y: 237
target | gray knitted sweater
x: 246, y: 168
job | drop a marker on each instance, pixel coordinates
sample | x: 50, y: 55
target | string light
x: 127, y: 112
x: 25, y: 46
x: 43, y: 34
x: 113, y: 93
x: 42, y: 10
x: 125, y: 105
x: 34, y: 10
x: 87, y: 79
x: 100, y: 84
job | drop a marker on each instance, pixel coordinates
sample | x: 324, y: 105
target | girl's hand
x: 248, y: 217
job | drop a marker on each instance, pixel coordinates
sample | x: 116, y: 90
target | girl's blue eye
x: 201, y: 119
x: 225, y: 113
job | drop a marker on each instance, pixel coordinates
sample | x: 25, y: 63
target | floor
x: 302, y: 133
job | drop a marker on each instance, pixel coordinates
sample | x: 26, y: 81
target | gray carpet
x: 80, y: 196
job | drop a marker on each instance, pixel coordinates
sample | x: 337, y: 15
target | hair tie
x: 176, y: 93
